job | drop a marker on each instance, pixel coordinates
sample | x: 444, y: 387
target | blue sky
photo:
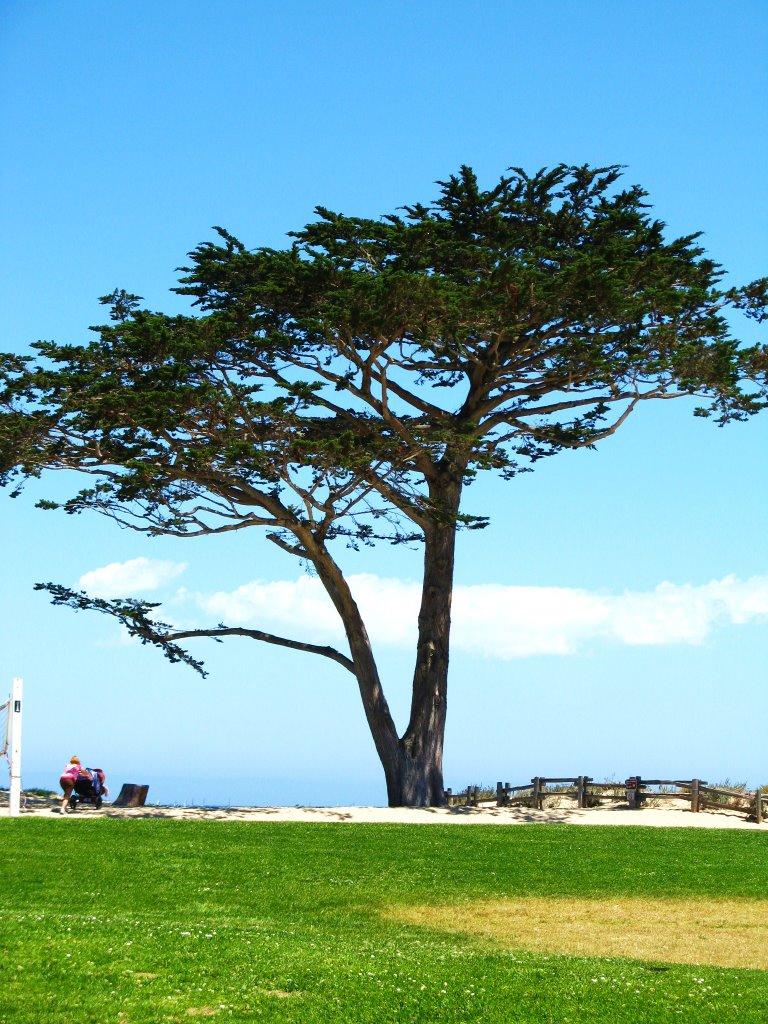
x: 128, y: 129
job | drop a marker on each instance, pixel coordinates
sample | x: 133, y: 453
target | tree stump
x: 131, y: 795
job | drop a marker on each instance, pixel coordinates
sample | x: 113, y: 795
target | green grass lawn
x: 142, y: 921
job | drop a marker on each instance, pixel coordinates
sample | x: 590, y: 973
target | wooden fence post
x: 499, y: 795
x: 695, y: 795
x: 633, y: 792
x: 581, y: 791
x: 759, y: 806
x: 536, y: 796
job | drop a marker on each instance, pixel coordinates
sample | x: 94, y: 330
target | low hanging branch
x: 135, y: 618
x: 133, y: 615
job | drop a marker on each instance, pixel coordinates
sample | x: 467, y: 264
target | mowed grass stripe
x: 380, y: 861
x: 721, y: 933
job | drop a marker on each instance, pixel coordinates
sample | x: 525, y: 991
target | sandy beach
x: 671, y: 814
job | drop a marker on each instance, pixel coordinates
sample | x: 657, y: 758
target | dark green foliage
x: 498, y: 326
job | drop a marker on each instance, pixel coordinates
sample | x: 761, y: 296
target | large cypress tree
x: 348, y: 387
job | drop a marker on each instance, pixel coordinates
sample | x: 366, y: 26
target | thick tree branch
x: 268, y: 638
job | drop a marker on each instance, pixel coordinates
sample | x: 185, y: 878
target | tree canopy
x: 347, y: 388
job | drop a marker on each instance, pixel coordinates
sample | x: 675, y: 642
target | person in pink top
x: 69, y: 777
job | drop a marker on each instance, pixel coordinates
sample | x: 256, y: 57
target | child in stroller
x: 90, y: 788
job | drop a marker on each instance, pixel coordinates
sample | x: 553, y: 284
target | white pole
x: 14, y: 716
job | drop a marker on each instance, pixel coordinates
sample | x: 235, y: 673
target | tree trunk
x: 413, y: 764
x: 417, y: 781
x: 418, y: 778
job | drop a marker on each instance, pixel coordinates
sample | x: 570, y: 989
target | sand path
x: 673, y: 814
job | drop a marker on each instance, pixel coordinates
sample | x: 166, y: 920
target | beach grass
x: 139, y: 921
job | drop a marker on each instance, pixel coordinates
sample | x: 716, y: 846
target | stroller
x: 89, y: 790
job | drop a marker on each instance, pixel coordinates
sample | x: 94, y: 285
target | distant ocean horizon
x: 238, y: 792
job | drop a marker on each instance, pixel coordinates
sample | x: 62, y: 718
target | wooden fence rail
x: 636, y: 791
x: 470, y: 797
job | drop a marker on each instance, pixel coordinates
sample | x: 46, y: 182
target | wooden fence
x: 635, y: 791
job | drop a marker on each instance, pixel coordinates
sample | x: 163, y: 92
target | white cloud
x: 500, y: 621
x: 121, y: 579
